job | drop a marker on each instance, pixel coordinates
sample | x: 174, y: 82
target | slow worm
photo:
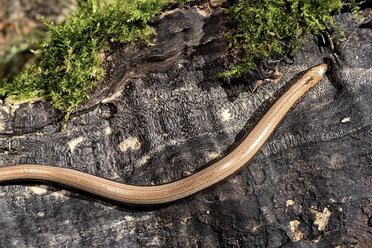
x: 143, y: 195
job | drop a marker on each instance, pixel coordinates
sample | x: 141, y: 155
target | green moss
x: 69, y: 66
x: 264, y: 28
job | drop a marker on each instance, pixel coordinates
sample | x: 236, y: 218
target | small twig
x: 356, y: 28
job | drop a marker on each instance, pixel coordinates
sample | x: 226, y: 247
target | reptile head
x: 315, y: 74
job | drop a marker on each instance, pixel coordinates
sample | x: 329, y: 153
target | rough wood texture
x: 161, y: 113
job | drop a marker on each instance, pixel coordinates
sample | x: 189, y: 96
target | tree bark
x: 161, y: 113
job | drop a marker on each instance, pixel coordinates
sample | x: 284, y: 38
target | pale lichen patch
x: 217, y: 3
x: 212, y: 155
x: 39, y: 190
x: 74, y: 142
x: 154, y: 242
x: 293, y: 206
x: 14, y: 104
x: 131, y: 143
x: 2, y: 127
x: 119, y: 237
x: 40, y: 214
x: 204, y: 11
x: 59, y: 194
x: 226, y: 115
x: 289, y: 203
x: 346, y: 119
x: 144, y: 160
x: 187, y: 88
x: 128, y: 218
x: 297, y: 234
x: 321, y: 218
x: 108, y: 130
x: 317, y: 239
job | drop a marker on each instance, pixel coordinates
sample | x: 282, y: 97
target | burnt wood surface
x: 161, y: 113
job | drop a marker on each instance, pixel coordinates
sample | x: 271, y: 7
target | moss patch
x: 264, y: 28
x: 70, y: 65
x: 70, y: 62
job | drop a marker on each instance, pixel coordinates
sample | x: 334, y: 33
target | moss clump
x: 69, y: 65
x: 265, y: 28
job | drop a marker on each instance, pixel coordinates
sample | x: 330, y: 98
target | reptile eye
x: 309, y: 80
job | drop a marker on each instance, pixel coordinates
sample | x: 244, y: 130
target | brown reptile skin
x: 143, y: 195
